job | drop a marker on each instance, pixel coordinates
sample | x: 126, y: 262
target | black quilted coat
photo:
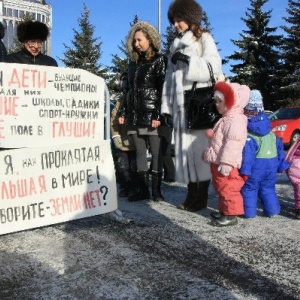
x: 25, y: 57
x: 143, y: 100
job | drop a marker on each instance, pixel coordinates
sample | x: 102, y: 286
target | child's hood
x: 234, y: 94
x: 259, y: 124
x: 292, y: 150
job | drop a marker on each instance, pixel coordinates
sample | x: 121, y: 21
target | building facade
x: 14, y: 11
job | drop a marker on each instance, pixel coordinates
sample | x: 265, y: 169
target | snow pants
x: 296, y: 187
x: 261, y: 184
x: 229, y: 191
x: 294, y: 175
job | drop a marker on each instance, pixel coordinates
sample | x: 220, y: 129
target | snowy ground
x: 164, y: 253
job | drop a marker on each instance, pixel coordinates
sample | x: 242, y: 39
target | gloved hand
x: 167, y: 120
x: 245, y: 177
x: 180, y: 56
x: 118, y: 141
x: 224, y: 169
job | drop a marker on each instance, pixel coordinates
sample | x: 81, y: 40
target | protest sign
x: 47, y: 105
x: 47, y: 185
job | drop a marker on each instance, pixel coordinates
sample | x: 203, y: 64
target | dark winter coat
x: 3, y: 52
x: 143, y: 101
x: 25, y: 57
x: 263, y: 158
x: 119, y: 130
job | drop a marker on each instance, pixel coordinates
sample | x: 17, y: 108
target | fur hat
x: 32, y: 30
x: 255, y: 104
x: 233, y: 94
x: 150, y: 30
x: 187, y: 10
x: 2, y: 31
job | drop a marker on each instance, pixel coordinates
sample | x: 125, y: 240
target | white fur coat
x: 189, y: 144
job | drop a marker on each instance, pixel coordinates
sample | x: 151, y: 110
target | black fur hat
x: 187, y: 10
x: 32, y: 30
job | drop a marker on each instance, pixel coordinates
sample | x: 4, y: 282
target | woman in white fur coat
x: 190, y: 52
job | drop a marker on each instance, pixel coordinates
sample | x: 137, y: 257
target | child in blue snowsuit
x: 263, y: 158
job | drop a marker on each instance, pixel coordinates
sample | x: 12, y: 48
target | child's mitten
x: 224, y: 169
x: 209, y: 133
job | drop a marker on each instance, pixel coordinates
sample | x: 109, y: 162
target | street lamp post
x: 159, y: 16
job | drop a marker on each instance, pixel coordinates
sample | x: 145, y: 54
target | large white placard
x: 47, y: 185
x: 41, y: 105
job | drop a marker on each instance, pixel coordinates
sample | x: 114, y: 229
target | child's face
x: 220, y: 105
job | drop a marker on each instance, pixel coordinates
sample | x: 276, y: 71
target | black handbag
x: 201, y: 112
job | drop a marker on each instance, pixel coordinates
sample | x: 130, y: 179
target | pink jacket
x: 230, y: 132
x: 293, y: 156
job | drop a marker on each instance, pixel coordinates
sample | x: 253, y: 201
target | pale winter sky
x: 112, y: 18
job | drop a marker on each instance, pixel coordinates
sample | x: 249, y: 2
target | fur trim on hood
x: 32, y: 30
x: 187, y: 10
x: 150, y: 32
x: 234, y: 94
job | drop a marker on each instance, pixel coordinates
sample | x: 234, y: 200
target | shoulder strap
x: 212, y: 78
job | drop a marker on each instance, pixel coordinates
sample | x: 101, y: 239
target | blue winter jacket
x: 258, y: 127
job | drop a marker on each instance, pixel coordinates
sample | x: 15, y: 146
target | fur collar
x: 180, y: 43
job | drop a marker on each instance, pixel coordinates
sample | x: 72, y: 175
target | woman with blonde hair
x: 141, y: 108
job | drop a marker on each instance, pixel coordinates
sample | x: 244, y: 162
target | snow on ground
x: 163, y: 253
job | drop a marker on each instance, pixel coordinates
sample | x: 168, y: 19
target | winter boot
x: 156, y: 183
x: 216, y: 215
x: 142, y: 192
x: 225, y: 221
x: 192, y: 192
x: 133, y: 186
x: 201, y: 199
x: 123, y: 191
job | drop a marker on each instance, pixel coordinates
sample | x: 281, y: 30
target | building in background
x: 14, y: 11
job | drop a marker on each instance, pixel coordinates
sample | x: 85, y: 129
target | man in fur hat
x: 32, y: 34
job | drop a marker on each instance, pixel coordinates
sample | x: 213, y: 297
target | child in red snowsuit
x: 224, y: 153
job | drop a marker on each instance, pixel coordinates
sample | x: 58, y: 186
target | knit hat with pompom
x: 255, y: 104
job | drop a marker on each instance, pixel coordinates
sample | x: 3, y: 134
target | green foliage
x: 205, y: 22
x: 258, y: 54
x: 289, y: 92
x: 168, y: 38
x: 119, y: 64
x: 86, y: 51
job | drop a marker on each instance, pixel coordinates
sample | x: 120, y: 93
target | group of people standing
x: 154, y: 102
x: 240, y: 155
